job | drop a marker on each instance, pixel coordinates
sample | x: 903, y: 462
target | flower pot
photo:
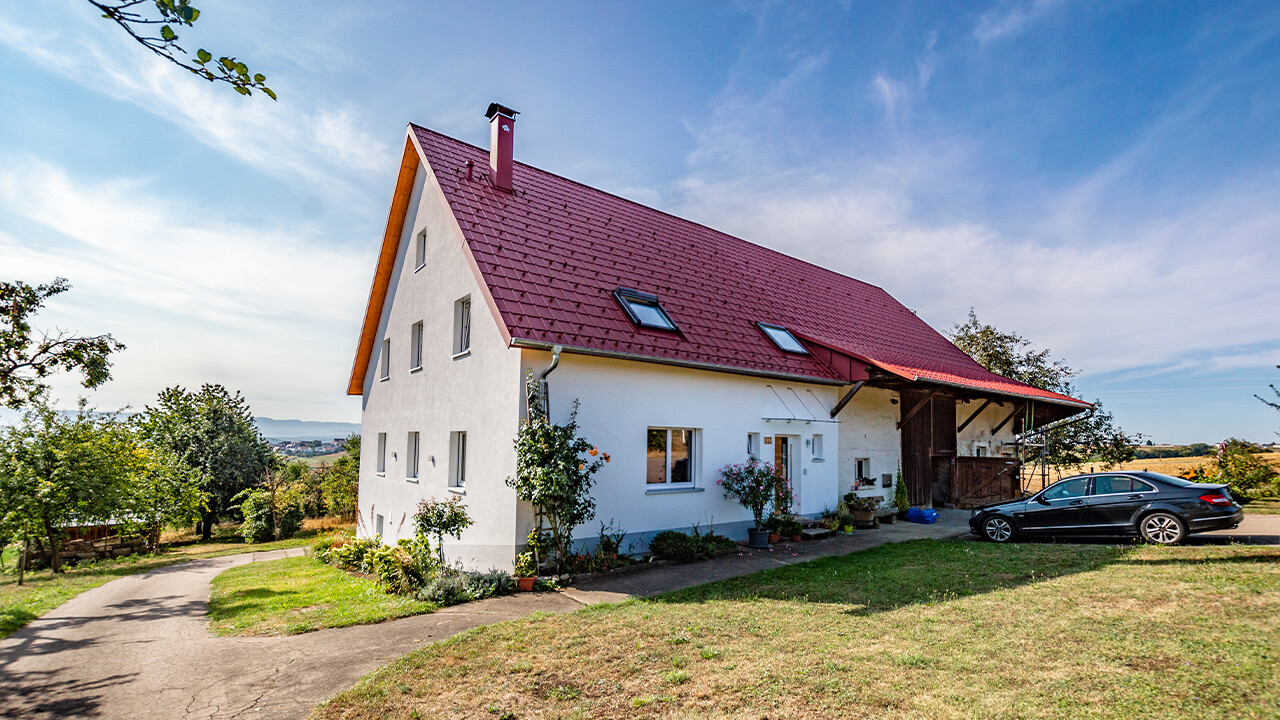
x: 775, y: 537
x: 758, y: 538
x: 864, y: 517
x: 525, y: 584
x: 797, y: 537
x: 847, y: 529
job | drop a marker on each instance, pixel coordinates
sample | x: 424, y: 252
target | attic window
x: 644, y: 309
x: 783, y: 338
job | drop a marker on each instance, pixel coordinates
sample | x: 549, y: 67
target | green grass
x: 925, y: 629
x: 44, y: 591
x: 1262, y: 506
x: 297, y: 595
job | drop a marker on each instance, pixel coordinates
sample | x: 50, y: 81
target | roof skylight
x: 644, y: 309
x: 783, y: 338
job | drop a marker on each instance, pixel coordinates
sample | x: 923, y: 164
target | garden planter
x: 847, y: 529
x: 775, y: 537
x: 758, y: 538
x: 525, y: 584
x: 864, y: 518
x: 797, y: 537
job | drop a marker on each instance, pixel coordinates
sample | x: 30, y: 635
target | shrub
x: 900, y: 499
x: 402, y: 568
x: 754, y: 484
x: 351, y: 555
x: 678, y: 547
x: 450, y: 588
x: 256, y: 509
x: 437, y: 518
x: 444, y: 589
x: 526, y: 565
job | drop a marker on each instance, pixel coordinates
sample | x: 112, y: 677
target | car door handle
x: 1076, y: 502
x: 1135, y: 497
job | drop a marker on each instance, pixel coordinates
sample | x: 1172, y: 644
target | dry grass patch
x: 922, y: 629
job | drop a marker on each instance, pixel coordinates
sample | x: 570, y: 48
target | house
x: 686, y: 349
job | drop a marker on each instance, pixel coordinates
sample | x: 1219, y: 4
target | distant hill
x: 276, y: 430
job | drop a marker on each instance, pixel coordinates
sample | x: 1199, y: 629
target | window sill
x: 384, y: 379
x: 460, y: 355
x: 419, y: 267
x: 672, y: 490
x: 415, y: 369
x: 817, y: 460
x: 457, y: 490
x: 381, y: 474
x: 412, y: 480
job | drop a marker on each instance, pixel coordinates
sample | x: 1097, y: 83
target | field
x: 925, y: 629
x: 1168, y: 466
x: 317, y: 460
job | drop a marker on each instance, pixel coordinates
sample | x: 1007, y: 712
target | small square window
x: 384, y: 361
x: 382, y: 453
x: 420, y: 251
x: 415, y: 346
x: 644, y: 309
x: 462, y: 326
x: 783, y: 338
x: 458, y: 461
x: 411, y: 457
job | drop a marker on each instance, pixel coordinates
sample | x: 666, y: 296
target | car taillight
x: 1216, y: 499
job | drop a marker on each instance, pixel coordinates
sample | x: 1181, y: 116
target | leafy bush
x: 754, y: 484
x: 678, y: 547
x: 352, y: 554
x: 404, y: 567
x: 256, y: 509
x: 453, y: 588
x: 526, y: 565
x: 901, y: 500
x: 437, y: 518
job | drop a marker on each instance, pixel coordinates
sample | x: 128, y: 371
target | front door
x: 783, y: 449
x: 1063, y: 508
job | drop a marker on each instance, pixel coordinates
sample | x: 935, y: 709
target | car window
x: 1112, y: 484
x: 1068, y: 489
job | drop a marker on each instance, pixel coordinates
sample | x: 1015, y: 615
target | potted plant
x: 752, y: 484
x: 790, y: 527
x: 863, y: 509
x: 526, y: 571
x: 774, y: 525
x: 900, y: 499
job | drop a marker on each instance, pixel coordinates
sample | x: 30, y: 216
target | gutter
x: 1038, y: 398
x: 543, y: 394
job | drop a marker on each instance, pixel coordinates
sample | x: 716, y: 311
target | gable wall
x: 479, y: 394
x: 868, y: 429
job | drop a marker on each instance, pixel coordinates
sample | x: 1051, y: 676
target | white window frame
x: 753, y: 445
x: 865, y: 465
x: 415, y: 346
x: 413, y: 444
x: 694, y: 452
x: 462, y: 327
x: 384, y: 362
x: 458, y: 459
x: 420, y: 250
x: 378, y: 524
x: 816, y: 448
x: 381, y: 466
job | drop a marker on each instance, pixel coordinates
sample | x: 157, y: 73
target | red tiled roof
x: 553, y: 252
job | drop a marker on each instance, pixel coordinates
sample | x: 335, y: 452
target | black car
x: 1158, y: 508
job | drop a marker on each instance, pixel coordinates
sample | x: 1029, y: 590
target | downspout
x: 543, y: 396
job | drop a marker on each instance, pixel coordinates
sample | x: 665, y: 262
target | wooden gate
x: 981, y: 480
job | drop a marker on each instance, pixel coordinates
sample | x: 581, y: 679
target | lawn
x: 297, y: 595
x: 923, y: 629
x: 1263, y: 506
x: 43, y: 591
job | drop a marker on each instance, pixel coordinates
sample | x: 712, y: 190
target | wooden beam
x: 1005, y: 421
x: 847, y: 397
x: 912, y: 413
x: 971, y: 418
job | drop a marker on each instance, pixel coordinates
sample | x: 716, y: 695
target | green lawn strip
x: 44, y: 591
x: 1262, y: 506
x: 922, y: 629
x: 297, y: 595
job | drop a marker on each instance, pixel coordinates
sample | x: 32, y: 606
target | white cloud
x: 1012, y: 19
x: 325, y: 148
x: 196, y: 299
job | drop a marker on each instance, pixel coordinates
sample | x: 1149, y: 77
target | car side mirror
x: 1042, y: 500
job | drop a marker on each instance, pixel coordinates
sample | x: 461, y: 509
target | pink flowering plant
x: 753, y: 484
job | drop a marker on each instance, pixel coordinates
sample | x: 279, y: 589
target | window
x: 753, y: 445
x: 862, y: 473
x: 420, y: 251
x: 415, y: 346
x: 385, y: 360
x: 377, y: 525
x: 458, y: 461
x: 670, y: 456
x: 1068, y: 489
x: 411, y: 457
x: 462, y: 326
x: 644, y: 309
x: 817, y: 447
x: 1118, y: 485
x: 382, y: 453
x: 783, y: 338
x: 979, y: 450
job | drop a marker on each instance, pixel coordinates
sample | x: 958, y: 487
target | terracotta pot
x: 797, y: 537
x: 775, y: 537
x: 525, y: 584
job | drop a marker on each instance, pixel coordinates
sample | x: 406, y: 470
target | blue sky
x: 1103, y: 178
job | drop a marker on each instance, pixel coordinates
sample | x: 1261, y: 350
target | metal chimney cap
x: 495, y: 109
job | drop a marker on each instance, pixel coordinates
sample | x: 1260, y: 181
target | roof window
x: 644, y: 309
x: 783, y: 338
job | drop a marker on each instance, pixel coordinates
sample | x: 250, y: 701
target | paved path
x: 139, y: 647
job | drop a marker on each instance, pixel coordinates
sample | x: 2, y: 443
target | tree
x: 211, y: 431
x: 1092, y: 438
x: 59, y: 469
x: 162, y: 491
x: 437, y: 518
x: 28, y: 356
x: 1238, y: 464
x: 1274, y: 405
x: 341, y: 482
x: 553, y: 475
x: 273, y: 511
x: 154, y: 31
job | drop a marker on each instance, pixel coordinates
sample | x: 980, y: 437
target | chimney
x: 502, y: 122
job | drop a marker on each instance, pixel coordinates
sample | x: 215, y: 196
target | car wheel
x: 997, y: 529
x: 1162, y: 528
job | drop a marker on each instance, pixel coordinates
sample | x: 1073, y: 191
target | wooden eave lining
x: 386, y: 264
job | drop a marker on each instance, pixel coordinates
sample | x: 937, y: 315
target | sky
x: 1102, y: 178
